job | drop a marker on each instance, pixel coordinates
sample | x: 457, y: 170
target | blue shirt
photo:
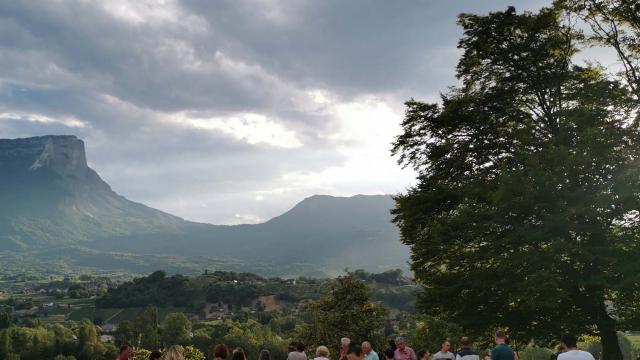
x: 371, y: 356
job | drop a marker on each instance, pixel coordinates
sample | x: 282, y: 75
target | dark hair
x: 392, y: 345
x: 293, y: 346
x: 221, y: 351
x: 355, y: 350
x: 238, y: 354
x: 421, y: 354
x: 465, y: 341
x: 569, y: 340
x: 264, y: 355
x: 300, y: 347
x: 155, y: 355
x: 389, y: 353
x: 500, y: 335
x: 124, y: 348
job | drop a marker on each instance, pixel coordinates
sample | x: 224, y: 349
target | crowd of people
x: 397, y: 350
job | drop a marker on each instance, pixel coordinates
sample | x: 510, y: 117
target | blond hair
x: 322, y: 351
x: 174, y: 353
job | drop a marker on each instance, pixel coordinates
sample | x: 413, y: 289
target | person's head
x: 392, y: 345
x: 155, y: 355
x: 355, y: 353
x: 400, y: 343
x: 423, y: 355
x: 238, y: 354
x: 293, y: 346
x: 366, y: 347
x: 265, y: 355
x: 345, y: 342
x: 322, y: 351
x: 500, y: 337
x: 300, y: 347
x: 221, y: 351
x: 389, y: 354
x: 445, y: 346
x: 126, y: 351
x: 174, y: 353
x: 465, y: 342
x: 568, y: 341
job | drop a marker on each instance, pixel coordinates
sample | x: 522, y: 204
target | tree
x: 146, y: 327
x: 525, y: 214
x: 176, y: 330
x: 344, y: 309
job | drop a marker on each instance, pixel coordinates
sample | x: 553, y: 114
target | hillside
x: 50, y: 199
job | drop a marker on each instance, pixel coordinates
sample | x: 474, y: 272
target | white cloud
x: 68, y: 121
x: 251, y: 128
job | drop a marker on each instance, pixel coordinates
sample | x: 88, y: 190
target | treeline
x: 237, y: 290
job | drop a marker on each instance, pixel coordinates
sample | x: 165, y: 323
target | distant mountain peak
x: 64, y: 155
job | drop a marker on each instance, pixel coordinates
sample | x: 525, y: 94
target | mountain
x: 53, y: 204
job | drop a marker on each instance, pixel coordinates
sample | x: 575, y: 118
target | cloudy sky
x: 229, y: 111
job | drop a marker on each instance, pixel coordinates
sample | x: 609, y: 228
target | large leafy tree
x: 344, y: 309
x: 525, y: 213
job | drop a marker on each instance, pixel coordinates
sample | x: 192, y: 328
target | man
x: 355, y: 353
x: 570, y: 347
x: 424, y: 355
x: 466, y: 352
x: 502, y: 351
x: 296, y: 351
x: 345, y: 343
x: 369, y: 354
x: 403, y: 352
x: 126, y: 352
x: 444, y: 353
x: 390, y: 354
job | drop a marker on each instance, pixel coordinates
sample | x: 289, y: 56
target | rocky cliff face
x: 62, y: 155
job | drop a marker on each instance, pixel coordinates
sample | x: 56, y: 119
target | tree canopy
x: 525, y: 215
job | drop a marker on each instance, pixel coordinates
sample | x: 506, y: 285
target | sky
x: 231, y: 111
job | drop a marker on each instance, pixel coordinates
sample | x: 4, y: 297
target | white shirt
x: 576, y: 355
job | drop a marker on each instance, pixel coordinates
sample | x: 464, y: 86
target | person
x: 174, y: 353
x: 403, y: 352
x: 502, y: 351
x: 424, y: 355
x: 444, y: 353
x: 264, y: 355
x: 569, y: 344
x: 238, y: 354
x: 369, y: 354
x: 322, y: 353
x: 389, y: 354
x: 297, y: 352
x: 220, y: 352
x: 126, y: 352
x: 466, y: 352
x: 355, y: 353
x: 155, y: 355
x: 345, y: 343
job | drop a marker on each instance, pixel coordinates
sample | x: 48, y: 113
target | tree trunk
x: 608, y: 336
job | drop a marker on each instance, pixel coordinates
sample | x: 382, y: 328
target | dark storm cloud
x: 227, y: 110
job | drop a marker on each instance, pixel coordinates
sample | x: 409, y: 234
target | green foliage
x: 192, y: 353
x: 594, y: 346
x: 141, y: 354
x: 425, y: 332
x: 525, y: 212
x: 176, y: 329
x: 533, y: 352
x: 155, y: 289
x: 146, y: 328
x: 344, y: 309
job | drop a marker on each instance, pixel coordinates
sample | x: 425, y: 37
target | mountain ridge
x: 51, y: 198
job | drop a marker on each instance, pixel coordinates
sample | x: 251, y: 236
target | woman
x: 238, y: 354
x: 322, y: 353
x: 220, y: 352
x: 174, y: 353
